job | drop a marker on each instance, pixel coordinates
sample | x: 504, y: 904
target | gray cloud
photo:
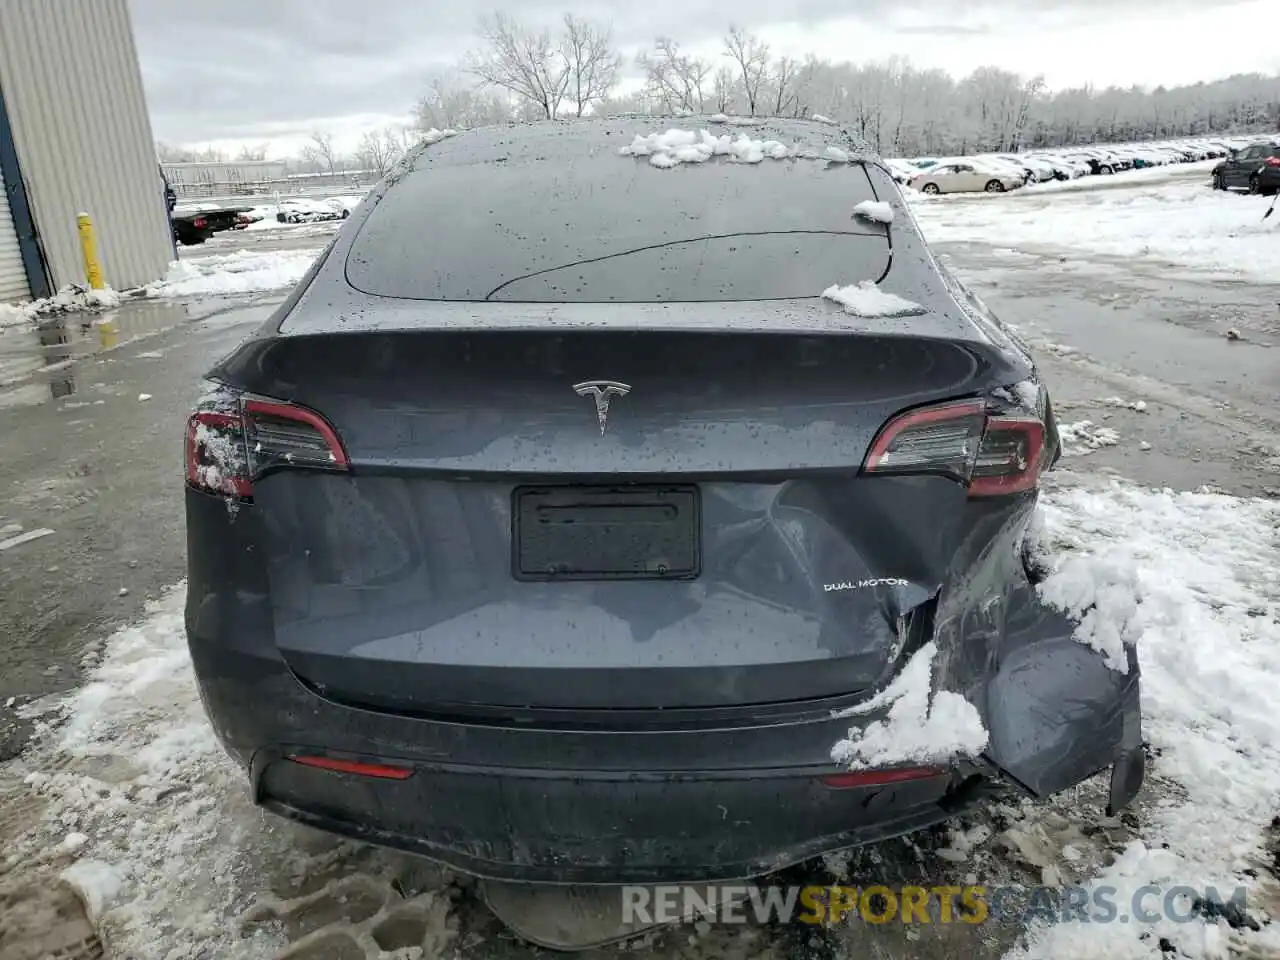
x: 245, y: 68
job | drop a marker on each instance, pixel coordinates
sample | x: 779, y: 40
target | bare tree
x: 674, y: 79
x: 751, y: 54
x: 451, y: 104
x: 637, y: 102
x: 168, y: 153
x: 320, y: 150
x: 724, y: 89
x: 593, y: 64
x: 785, y: 100
x: 523, y: 62
x: 380, y: 149
x: 171, y: 154
x: 252, y: 152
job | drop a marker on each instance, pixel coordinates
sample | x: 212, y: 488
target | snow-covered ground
x: 154, y: 825
x: 234, y: 273
x: 1179, y: 223
x: 75, y: 298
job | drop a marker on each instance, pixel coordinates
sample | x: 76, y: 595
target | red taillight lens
x: 993, y: 455
x: 217, y: 461
x: 942, y: 439
x: 1008, y: 458
x: 227, y: 451
x: 1273, y: 161
x: 281, y: 433
x: 200, y: 223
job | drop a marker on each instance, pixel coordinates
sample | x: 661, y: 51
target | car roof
x: 568, y: 137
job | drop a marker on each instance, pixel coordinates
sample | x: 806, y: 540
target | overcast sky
x: 247, y: 71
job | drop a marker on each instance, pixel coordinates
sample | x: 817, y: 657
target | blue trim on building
x: 24, y: 223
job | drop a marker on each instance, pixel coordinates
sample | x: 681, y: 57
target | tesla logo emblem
x: 601, y: 390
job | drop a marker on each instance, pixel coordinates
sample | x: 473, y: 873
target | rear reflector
x: 876, y: 778
x: 228, y: 448
x: 992, y: 455
x: 377, y: 770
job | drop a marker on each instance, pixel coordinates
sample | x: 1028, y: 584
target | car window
x: 562, y: 217
x: 1252, y: 153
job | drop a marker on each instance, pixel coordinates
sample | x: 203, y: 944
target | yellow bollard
x: 89, y: 247
x: 108, y: 333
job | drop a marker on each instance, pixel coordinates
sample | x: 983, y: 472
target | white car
x: 966, y: 176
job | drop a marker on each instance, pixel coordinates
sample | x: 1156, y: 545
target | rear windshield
x: 559, y: 216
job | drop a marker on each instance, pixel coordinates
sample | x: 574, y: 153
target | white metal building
x: 75, y: 136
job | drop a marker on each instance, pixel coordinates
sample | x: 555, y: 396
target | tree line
x: 520, y: 72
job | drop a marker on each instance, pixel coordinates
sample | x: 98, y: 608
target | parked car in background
x: 533, y: 542
x: 194, y: 222
x: 902, y: 170
x: 1013, y: 165
x: 306, y: 210
x: 966, y: 177
x: 1099, y: 165
x: 1255, y: 168
x: 1042, y: 170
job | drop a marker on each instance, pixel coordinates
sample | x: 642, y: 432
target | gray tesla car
x: 563, y: 521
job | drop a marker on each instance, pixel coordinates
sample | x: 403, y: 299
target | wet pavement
x: 86, y: 457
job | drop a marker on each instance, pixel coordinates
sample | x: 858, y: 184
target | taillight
x: 228, y: 448
x: 1008, y: 458
x: 991, y: 454
x: 1273, y: 161
x: 200, y: 223
x: 217, y: 461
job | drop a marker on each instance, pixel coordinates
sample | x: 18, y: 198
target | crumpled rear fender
x: 1055, y: 712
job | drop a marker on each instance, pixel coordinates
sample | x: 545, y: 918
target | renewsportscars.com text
x: 746, y: 903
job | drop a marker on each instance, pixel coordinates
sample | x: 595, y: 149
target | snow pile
x: 1083, y: 437
x: 96, y: 884
x: 435, y: 136
x: 1103, y: 595
x: 922, y: 725
x: 674, y: 147
x: 1175, y: 223
x: 876, y: 210
x: 235, y: 273
x: 821, y: 119
x: 1139, y: 405
x: 734, y: 121
x: 865, y: 299
x: 73, y: 298
x: 1203, y: 571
